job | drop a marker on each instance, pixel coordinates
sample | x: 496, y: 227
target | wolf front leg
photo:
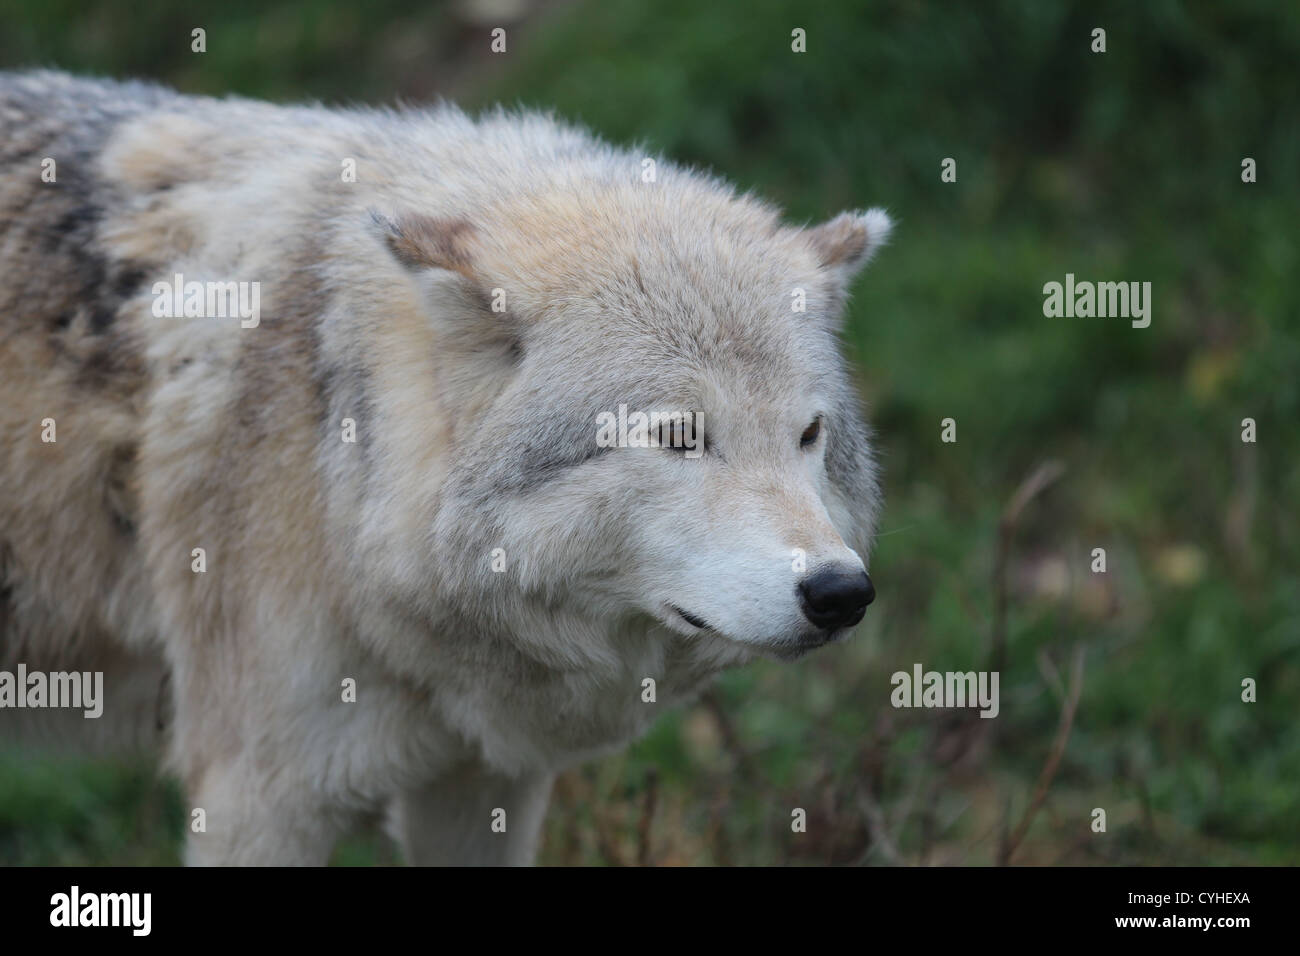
x: 472, y: 817
x: 239, y: 817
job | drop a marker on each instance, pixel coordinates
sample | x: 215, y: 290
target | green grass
x: 1119, y: 166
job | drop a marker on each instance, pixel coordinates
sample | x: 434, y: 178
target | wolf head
x: 649, y: 414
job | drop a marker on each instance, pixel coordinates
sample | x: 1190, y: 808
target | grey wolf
x: 366, y: 555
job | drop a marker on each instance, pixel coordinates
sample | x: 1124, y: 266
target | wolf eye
x: 809, y: 436
x: 670, y: 434
x: 682, y: 433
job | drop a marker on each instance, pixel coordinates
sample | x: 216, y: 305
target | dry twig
x: 643, y: 855
x: 1053, y: 760
x: 1043, y: 476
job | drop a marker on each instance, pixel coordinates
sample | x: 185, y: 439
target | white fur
x: 373, y: 561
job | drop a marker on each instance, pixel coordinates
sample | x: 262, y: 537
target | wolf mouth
x: 690, y: 619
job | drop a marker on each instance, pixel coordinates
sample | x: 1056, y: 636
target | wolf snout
x: 836, y: 597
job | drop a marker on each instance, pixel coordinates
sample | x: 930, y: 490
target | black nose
x: 833, y: 598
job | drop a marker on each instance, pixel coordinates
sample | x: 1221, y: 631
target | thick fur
x: 475, y: 437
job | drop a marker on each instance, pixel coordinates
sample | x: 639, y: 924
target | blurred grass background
x: 1117, y: 166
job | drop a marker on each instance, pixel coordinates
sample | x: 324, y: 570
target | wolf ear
x: 424, y: 242
x: 435, y: 250
x: 846, y: 243
x: 440, y: 254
